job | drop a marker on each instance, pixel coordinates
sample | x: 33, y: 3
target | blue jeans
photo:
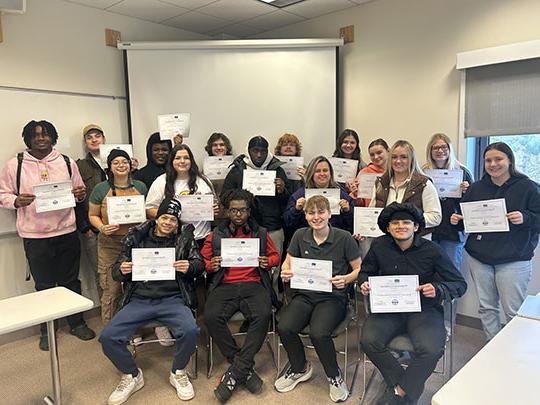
x: 505, y: 282
x: 171, y: 311
x: 454, y: 250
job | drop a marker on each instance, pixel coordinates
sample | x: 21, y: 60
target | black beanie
x: 170, y: 206
x: 258, y: 142
x: 117, y: 153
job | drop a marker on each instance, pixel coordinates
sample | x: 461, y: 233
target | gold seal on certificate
x: 259, y: 182
x: 53, y: 196
x: 217, y: 167
x: 344, y: 169
x: 310, y: 274
x: 126, y: 209
x: 332, y: 195
x: 239, y: 252
x: 394, y: 294
x: 151, y: 264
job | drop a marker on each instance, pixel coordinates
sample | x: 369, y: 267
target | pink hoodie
x: 30, y: 224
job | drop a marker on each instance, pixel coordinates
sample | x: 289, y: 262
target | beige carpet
x: 88, y: 377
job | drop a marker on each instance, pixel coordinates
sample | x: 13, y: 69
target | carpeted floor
x: 88, y: 377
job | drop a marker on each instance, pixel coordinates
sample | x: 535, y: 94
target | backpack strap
x: 68, y: 164
x: 19, y: 169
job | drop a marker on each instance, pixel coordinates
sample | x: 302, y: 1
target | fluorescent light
x: 281, y: 3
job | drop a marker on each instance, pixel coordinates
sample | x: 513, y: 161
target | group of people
x: 287, y: 226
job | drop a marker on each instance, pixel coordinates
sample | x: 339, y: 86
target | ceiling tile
x: 274, y: 20
x: 150, y: 10
x: 237, y: 10
x: 197, y: 22
x: 102, y: 4
x: 190, y: 4
x: 315, y: 8
x: 237, y: 30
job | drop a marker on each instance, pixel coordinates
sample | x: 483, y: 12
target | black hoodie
x: 151, y: 171
x: 520, y: 194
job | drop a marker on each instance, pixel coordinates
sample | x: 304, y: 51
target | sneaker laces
x: 181, y: 378
x: 230, y: 381
x: 336, y: 381
x: 125, y: 381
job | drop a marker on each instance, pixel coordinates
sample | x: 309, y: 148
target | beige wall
x: 399, y: 76
x: 61, y: 46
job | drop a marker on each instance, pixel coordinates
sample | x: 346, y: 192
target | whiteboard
x: 68, y: 112
x: 241, y: 92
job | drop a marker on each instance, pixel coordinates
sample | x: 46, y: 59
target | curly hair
x: 236, y: 194
x: 216, y: 136
x: 29, y: 131
x: 288, y: 138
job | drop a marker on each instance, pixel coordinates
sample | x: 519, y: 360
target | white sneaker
x: 289, y: 380
x: 125, y: 388
x: 164, y: 336
x: 338, y: 389
x: 180, y: 381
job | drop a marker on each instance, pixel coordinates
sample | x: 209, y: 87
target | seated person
x: 322, y: 311
x: 402, y: 251
x: 244, y: 289
x: 166, y: 301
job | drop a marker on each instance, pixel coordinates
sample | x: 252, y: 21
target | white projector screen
x: 241, y: 91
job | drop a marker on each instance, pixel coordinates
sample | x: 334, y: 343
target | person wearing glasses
x: 245, y: 289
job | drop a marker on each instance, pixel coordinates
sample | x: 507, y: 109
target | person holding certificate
x: 500, y: 262
x: 321, y: 310
x: 403, y: 253
x: 182, y: 177
x: 50, y: 239
x: 246, y: 288
x: 440, y: 156
x: 378, y: 154
x: 110, y: 235
x: 348, y: 147
x: 157, y: 153
x: 168, y: 301
x: 267, y: 210
x: 404, y: 181
x: 319, y: 174
x: 289, y: 145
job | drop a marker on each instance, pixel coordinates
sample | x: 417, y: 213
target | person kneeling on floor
x: 402, y: 251
x: 166, y: 301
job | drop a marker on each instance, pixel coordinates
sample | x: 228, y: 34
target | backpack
x: 19, y: 168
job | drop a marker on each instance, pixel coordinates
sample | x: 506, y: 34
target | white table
x: 43, y: 306
x: 505, y: 371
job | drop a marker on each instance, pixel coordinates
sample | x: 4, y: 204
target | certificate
x: 106, y: 148
x: 171, y: 125
x: 365, y: 222
x: 153, y: 264
x: 309, y: 274
x: 485, y: 216
x: 126, y: 209
x: 332, y: 194
x: 239, y: 252
x: 53, y: 196
x: 291, y: 165
x: 259, y: 182
x: 447, y: 182
x: 394, y: 294
x: 217, y: 167
x: 344, y: 169
x: 197, y: 207
x: 366, y: 184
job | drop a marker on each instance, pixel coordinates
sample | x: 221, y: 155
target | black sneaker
x: 253, y: 382
x: 44, y: 343
x: 83, y: 332
x: 226, y: 387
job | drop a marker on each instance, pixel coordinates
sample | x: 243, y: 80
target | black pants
x: 55, y: 262
x: 253, y: 301
x: 427, y: 333
x: 322, y: 313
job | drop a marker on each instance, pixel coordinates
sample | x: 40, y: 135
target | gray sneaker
x: 338, y: 389
x: 290, y: 379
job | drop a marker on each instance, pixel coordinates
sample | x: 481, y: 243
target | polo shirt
x: 340, y: 247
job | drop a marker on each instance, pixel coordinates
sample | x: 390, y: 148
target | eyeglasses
x: 442, y: 148
x: 236, y: 211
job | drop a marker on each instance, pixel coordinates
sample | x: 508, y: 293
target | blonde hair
x: 318, y: 202
x: 451, y: 163
x: 414, y: 166
x: 288, y: 138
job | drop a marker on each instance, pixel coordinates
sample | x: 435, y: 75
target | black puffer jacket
x: 267, y: 210
x: 141, y: 236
